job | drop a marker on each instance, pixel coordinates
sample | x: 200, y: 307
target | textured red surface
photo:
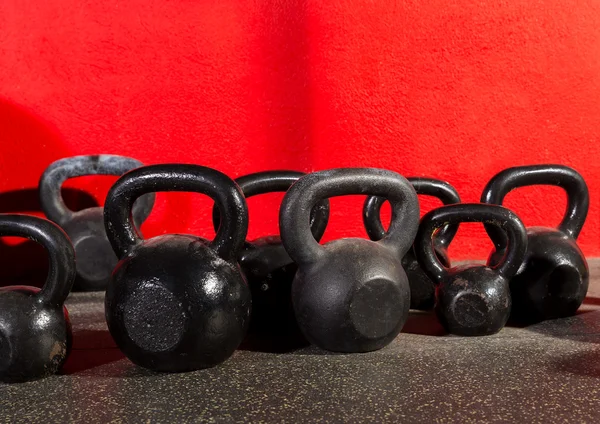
x: 452, y: 89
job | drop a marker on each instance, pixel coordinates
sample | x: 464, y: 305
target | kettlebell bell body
x: 268, y: 268
x: 177, y: 302
x: 350, y: 295
x: 422, y: 289
x: 553, y: 280
x: 85, y: 228
x: 35, y: 332
x: 472, y: 300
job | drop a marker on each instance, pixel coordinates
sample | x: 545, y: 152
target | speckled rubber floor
x: 548, y: 372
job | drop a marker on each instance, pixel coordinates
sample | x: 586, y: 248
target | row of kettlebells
x: 180, y: 302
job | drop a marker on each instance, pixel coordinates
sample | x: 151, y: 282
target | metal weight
x: 85, y: 228
x: 350, y: 295
x: 422, y: 289
x: 35, y: 332
x: 553, y: 280
x: 472, y: 300
x: 177, y: 302
x: 268, y: 268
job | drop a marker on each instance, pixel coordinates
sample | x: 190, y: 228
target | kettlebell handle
x: 578, y: 198
x: 423, y: 186
x: 61, y: 271
x: 294, y: 222
x: 60, y: 171
x: 228, y: 197
x: 279, y: 181
x: 503, y: 219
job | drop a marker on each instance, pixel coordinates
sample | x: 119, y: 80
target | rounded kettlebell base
x: 470, y: 310
x: 374, y: 310
x: 154, y: 319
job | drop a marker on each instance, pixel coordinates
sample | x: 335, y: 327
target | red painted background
x: 452, y: 89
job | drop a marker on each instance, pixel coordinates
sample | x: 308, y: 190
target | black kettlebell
x: 422, y: 289
x: 351, y: 294
x: 267, y: 266
x: 553, y: 280
x: 472, y: 300
x: 35, y: 332
x: 85, y: 228
x: 177, y: 302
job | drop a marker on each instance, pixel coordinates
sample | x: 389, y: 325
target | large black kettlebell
x: 35, y: 332
x: 472, y: 300
x: 553, y: 280
x: 350, y: 295
x: 85, y: 228
x: 177, y: 302
x: 422, y: 289
x: 267, y: 266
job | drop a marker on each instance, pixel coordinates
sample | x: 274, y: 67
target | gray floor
x: 549, y: 372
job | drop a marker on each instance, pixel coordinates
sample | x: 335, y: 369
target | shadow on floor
x: 95, y: 354
x: 266, y: 344
x: 91, y: 349
x: 585, y: 363
x: 85, y: 360
x: 424, y: 323
x: 582, y: 327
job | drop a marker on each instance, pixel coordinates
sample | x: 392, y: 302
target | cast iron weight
x: 350, y: 295
x: 35, y: 332
x: 422, y: 289
x: 268, y: 268
x: 177, y: 302
x: 472, y: 300
x: 553, y: 280
x: 95, y: 258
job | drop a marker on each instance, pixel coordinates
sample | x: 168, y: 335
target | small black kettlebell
x: 35, y: 332
x: 553, y: 280
x: 422, y: 289
x: 267, y: 266
x: 472, y: 300
x: 350, y: 295
x: 177, y: 302
x: 85, y: 228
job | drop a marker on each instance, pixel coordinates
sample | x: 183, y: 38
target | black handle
x: 299, y: 200
x: 556, y: 175
x: 503, y: 219
x: 423, y: 186
x: 60, y: 171
x: 61, y: 272
x: 176, y: 177
x: 279, y: 181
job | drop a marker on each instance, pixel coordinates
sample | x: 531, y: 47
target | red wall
x: 457, y: 90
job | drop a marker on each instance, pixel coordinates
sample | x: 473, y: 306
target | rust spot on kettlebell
x: 58, y: 351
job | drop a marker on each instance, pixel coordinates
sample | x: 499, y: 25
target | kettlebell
x: 85, y: 228
x: 177, y: 302
x: 268, y: 268
x: 351, y: 294
x: 35, y: 332
x: 472, y: 300
x: 553, y: 280
x: 422, y: 289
